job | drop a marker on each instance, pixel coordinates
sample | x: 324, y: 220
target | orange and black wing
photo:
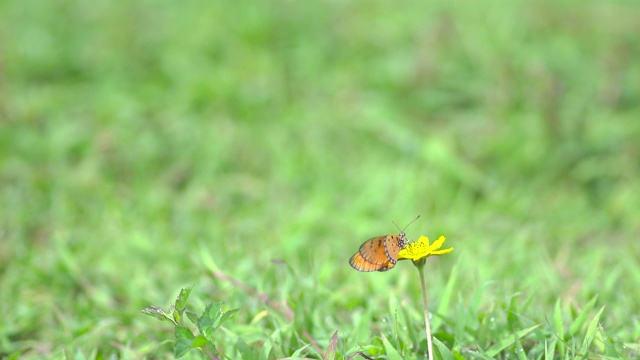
x: 372, y: 255
x: 361, y: 264
x: 373, y: 250
x: 392, y: 246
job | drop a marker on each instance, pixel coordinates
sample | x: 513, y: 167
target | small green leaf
x: 577, y: 324
x: 226, y: 315
x: 177, y: 316
x: 184, y: 338
x: 209, y: 316
x: 199, y: 341
x: 181, y: 301
x: 193, y: 317
x: 157, y: 313
x: 508, y: 341
x: 392, y: 353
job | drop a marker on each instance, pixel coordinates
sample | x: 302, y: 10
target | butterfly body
x: 379, y: 253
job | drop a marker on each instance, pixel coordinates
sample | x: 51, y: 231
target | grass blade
x: 330, y: 353
x: 608, y: 342
x: 520, y: 354
x: 508, y: 341
x: 442, y: 350
x: 558, y: 326
x: 550, y: 348
x: 577, y: 324
x: 592, y: 330
x: 392, y: 353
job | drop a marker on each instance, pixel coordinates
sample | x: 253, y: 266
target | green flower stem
x: 427, y: 324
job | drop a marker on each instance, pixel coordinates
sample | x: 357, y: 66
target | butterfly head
x: 402, y: 241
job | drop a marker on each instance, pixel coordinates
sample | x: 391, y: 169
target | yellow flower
x: 421, y: 249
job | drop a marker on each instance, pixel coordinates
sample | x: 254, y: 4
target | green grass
x: 146, y: 146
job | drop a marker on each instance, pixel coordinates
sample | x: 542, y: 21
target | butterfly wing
x: 372, y: 255
x: 361, y: 264
x: 392, y: 246
x: 374, y: 250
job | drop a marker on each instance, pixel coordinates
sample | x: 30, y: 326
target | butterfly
x: 379, y: 253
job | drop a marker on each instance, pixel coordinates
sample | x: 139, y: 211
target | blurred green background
x: 138, y: 135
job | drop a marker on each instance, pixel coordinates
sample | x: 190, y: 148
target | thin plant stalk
x: 427, y: 323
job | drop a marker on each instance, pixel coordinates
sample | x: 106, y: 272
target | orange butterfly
x: 379, y: 253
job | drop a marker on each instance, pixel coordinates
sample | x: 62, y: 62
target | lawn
x: 246, y: 149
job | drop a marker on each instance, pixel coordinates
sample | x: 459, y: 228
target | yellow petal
x: 438, y: 243
x: 440, y: 252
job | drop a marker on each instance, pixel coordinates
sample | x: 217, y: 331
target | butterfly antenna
x: 394, y: 223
